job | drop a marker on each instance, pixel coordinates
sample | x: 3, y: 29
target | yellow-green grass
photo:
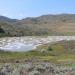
x: 57, y: 54
x: 13, y: 56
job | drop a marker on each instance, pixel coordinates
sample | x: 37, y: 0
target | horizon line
x: 38, y: 15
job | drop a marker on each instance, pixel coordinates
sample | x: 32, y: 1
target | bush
x: 50, y: 49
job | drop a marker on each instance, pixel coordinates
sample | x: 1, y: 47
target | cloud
x: 7, y: 15
x: 4, y: 14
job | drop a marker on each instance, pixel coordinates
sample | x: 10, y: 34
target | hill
x: 6, y: 19
x: 62, y: 24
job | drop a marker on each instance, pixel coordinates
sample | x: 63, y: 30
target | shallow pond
x: 29, y: 43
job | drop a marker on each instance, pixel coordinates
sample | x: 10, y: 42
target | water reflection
x: 18, y: 47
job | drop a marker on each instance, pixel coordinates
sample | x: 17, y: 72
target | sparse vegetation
x: 59, y: 51
x: 54, y: 60
x: 44, y: 25
x: 60, y: 54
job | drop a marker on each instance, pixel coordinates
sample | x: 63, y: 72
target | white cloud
x: 4, y: 14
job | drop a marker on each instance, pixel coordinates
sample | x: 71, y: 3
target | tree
x: 1, y: 30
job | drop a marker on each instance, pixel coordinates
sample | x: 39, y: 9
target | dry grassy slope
x: 9, y: 29
x: 63, y: 24
x: 67, y: 27
x: 54, y: 28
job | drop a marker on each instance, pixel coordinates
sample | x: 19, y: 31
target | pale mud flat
x: 29, y: 42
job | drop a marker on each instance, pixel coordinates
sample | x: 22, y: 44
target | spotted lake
x: 28, y: 43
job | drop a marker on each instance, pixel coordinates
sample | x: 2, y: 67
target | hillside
x: 6, y: 19
x: 63, y: 24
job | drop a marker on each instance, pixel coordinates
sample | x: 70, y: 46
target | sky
x: 18, y: 9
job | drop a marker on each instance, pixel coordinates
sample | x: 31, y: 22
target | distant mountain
x: 50, y: 19
x: 62, y: 24
x: 6, y: 19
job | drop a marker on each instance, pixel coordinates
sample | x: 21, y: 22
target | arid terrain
x: 43, y: 45
x: 37, y: 68
x: 40, y: 55
x: 62, y: 24
x: 37, y: 37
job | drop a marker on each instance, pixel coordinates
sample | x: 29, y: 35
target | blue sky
x: 31, y: 8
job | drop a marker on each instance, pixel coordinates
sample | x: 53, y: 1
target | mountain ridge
x: 60, y: 24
